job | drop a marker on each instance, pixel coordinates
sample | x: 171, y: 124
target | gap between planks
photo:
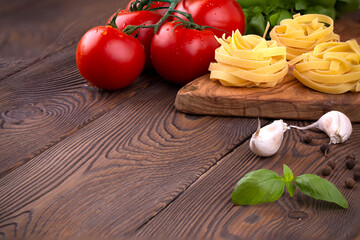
x: 58, y: 140
x: 37, y: 60
x: 195, y: 181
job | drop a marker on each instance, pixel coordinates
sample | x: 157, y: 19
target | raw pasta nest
x: 331, y: 68
x: 246, y: 61
x: 302, y: 33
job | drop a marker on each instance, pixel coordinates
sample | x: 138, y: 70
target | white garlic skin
x: 267, y: 140
x: 335, y: 124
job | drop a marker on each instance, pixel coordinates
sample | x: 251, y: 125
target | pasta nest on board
x: 247, y: 61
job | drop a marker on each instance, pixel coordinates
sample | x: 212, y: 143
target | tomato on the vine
x: 226, y: 15
x: 180, y: 54
x: 108, y: 58
x: 162, y: 5
x: 145, y: 18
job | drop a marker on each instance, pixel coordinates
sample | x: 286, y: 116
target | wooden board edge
x: 185, y: 102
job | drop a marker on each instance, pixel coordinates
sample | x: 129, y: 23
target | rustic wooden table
x: 78, y: 163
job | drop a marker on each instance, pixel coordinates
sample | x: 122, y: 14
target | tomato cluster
x: 177, y: 47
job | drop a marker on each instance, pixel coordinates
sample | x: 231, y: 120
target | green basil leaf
x: 259, y: 186
x: 319, y: 188
x: 269, y: 9
x: 251, y: 3
x: 321, y: 10
x: 257, y: 9
x: 288, y: 179
x: 301, y: 5
x: 291, y: 188
x: 288, y: 4
x: 324, y: 3
x: 273, y: 19
x: 256, y: 25
x: 288, y: 174
x: 283, y: 14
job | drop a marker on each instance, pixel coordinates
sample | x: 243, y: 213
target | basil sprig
x: 264, y: 185
x: 259, y: 12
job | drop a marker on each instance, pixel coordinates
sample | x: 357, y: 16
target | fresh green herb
x: 264, y: 185
x: 258, y: 187
x: 259, y: 12
x: 288, y: 179
x: 319, y: 188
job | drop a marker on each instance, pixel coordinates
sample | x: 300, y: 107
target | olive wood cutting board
x: 289, y: 100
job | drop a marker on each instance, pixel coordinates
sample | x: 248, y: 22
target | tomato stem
x: 139, y: 4
x: 112, y: 22
x: 171, y: 9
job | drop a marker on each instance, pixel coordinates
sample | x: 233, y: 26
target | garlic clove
x: 335, y: 124
x: 267, y: 140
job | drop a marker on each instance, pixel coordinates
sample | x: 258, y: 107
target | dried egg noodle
x: 331, y: 68
x: 246, y: 61
x: 302, y: 33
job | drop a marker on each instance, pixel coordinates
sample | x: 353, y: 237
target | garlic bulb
x: 335, y: 124
x: 266, y: 141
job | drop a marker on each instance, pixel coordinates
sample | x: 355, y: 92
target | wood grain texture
x: 205, y: 210
x: 289, y: 100
x: 117, y: 172
x: 77, y: 163
x: 348, y: 26
x: 34, y: 30
x: 49, y: 101
x: 43, y: 97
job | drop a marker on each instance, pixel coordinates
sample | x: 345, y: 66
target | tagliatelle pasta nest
x: 302, y: 33
x: 331, y: 68
x: 247, y: 61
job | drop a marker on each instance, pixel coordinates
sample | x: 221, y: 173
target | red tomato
x: 126, y: 18
x: 223, y: 14
x: 108, y: 58
x: 155, y: 5
x: 180, y: 55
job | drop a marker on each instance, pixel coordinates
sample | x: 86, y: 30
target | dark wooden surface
x: 78, y: 163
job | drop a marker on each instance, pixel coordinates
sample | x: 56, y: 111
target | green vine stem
x: 141, y: 3
x: 138, y: 5
x: 112, y: 22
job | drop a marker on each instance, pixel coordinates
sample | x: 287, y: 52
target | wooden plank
x: 43, y: 98
x: 288, y: 100
x: 205, y: 210
x: 118, y: 171
x: 33, y: 30
x: 48, y: 102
